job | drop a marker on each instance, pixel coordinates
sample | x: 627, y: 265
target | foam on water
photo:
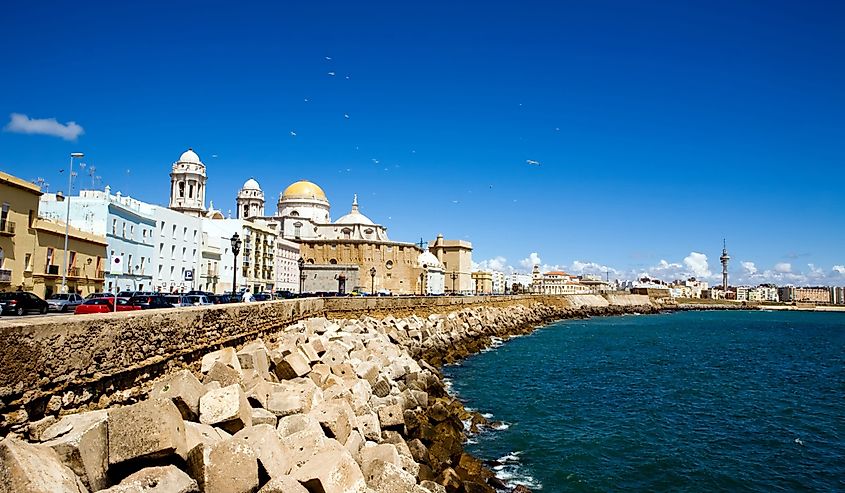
x: 511, y: 472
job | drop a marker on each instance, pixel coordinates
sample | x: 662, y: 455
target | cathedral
x: 350, y: 253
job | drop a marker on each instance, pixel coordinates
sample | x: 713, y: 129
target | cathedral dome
x: 354, y: 216
x: 304, y: 190
x: 190, y: 156
x: 251, y: 184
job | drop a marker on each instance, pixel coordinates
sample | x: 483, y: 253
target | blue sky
x: 660, y: 127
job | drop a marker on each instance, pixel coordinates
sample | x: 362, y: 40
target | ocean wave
x: 510, y: 470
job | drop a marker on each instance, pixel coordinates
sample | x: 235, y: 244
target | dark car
x: 284, y: 295
x: 207, y: 294
x: 262, y: 296
x: 150, y: 301
x: 21, y: 303
x: 219, y: 299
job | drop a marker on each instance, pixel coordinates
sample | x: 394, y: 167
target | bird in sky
x: 292, y: 133
x: 346, y: 115
x: 214, y: 155
x: 532, y: 162
x: 332, y: 74
x: 306, y: 100
x: 375, y: 161
x: 328, y: 58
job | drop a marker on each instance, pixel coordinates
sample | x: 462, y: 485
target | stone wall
x: 74, y: 362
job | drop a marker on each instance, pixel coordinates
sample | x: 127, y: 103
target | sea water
x: 688, y: 401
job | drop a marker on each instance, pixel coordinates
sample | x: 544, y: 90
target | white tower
x: 250, y: 200
x: 187, y: 185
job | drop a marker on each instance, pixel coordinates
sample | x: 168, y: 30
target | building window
x: 124, y: 229
x: 72, y: 263
x: 49, y: 259
x: 333, y: 262
x: 132, y: 232
x: 173, y: 252
x: 181, y: 189
x: 191, y: 191
x: 389, y: 264
x: 27, y: 266
x: 184, y: 234
x: 129, y: 265
x: 174, y: 231
x: 114, y: 226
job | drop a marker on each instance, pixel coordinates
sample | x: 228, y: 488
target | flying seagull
x: 332, y: 74
x: 532, y: 162
x: 346, y: 115
x: 292, y: 133
x: 328, y: 58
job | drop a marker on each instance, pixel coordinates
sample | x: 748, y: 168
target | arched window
x: 181, y: 189
x: 297, y: 230
x: 294, y: 213
x: 246, y: 211
x: 333, y: 262
x: 389, y: 264
x: 347, y: 233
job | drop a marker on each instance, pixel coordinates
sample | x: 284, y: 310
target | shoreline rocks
x: 336, y: 406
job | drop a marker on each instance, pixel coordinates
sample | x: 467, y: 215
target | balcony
x: 7, y: 228
x: 73, y: 272
x: 101, y: 274
x: 5, y: 276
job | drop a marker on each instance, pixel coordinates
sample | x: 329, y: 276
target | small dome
x: 190, y: 156
x: 304, y: 190
x: 428, y: 260
x: 251, y: 184
x: 355, y: 217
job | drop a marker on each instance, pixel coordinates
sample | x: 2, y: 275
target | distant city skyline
x: 597, y: 138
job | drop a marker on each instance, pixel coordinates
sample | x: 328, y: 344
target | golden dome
x: 304, y: 190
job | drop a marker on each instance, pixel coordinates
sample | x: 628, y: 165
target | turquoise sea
x: 690, y: 401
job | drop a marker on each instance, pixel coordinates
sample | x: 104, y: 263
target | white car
x: 198, y: 299
x: 64, y: 302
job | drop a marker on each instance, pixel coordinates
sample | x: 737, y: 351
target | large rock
x: 197, y: 433
x: 386, y: 477
x: 151, y: 429
x: 227, y: 356
x: 385, y: 452
x: 292, y: 366
x: 82, y: 444
x: 184, y: 390
x: 336, y: 418
x: 165, y: 479
x: 272, y: 455
x: 331, y: 472
x: 227, y: 408
x: 391, y: 416
x: 296, y: 423
x: 229, y: 466
x: 224, y: 374
x: 26, y: 468
x: 255, y: 356
x: 284, y: 484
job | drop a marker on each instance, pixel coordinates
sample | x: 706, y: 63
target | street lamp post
x: 301, y: 263
x: 67, y: 216
x: 453, y: 276
x: 236, y: 249
x: 372, y: 280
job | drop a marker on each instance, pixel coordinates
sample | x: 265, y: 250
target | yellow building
x: 482, y: 282
x: 456, y: 257
x: 32, y: 254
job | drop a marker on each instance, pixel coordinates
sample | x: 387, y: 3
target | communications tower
x: 724, y: 259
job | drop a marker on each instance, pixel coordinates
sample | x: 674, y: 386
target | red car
x: 104, y: 305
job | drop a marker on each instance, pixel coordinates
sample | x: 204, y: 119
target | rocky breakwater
x: 323, y: 406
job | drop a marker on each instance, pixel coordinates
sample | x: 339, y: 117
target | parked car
x: 219, y: 299
x: 104, y: 305
x: 62, y: 302
x: 21, y: 303
x: 207, y: 294
x: 177, y: 300
x: 284, y: 295
x: 99, y: 295
x: 197, y: 300
x: 150, y: 301
x: 262, y: 296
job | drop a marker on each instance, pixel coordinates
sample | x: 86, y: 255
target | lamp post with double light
x: 372, y: 280
x: 67, y: 216
x: 236, y: 249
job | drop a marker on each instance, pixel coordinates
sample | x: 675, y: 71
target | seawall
x: 91, y: 361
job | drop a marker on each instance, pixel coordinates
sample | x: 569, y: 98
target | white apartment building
x: 178, y: 239
x: 524, y: 281
x: 498, y: 282
x: 287, y: 266
x: 129, y: 230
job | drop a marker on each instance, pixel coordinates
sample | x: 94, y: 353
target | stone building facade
x: 456, y: 257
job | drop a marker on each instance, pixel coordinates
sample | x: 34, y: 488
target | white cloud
x: 783, y: 267
x: 498, y: 263
x: 578, y: 267
x: 697, y: 264
x: 22, y: 124
x: 749, y: 268
x: 532, y: 260
x: 840, y: 269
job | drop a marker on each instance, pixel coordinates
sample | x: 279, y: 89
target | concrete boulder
x: 226, y: 356
x: 164, y: 479
x: 296, y: 423
x: 385, y: 452
x: 284, y: 484
x: 227, y: 408
x: 331, y: 472
x: 255, y: 356
x: 82, y: 445
x: 224, y: 374
x: 272, y: 455
x: 151, y: 429
x: 184, y: 390
x: 391, y: 416
x: 197, y: 433
x: 229, y: 466
x: 386, y: 477
x: 27, y: 468
x: 293, y: 365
